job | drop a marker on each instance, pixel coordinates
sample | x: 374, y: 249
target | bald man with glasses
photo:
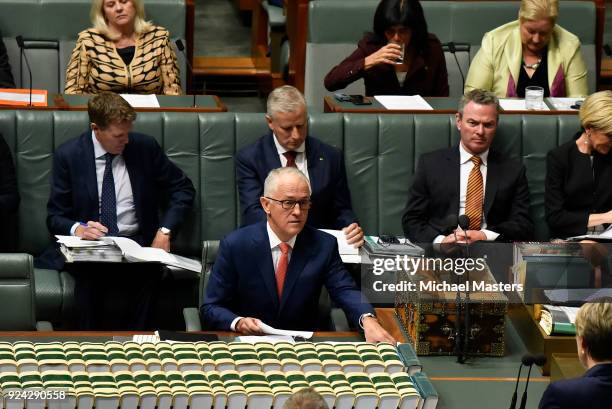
x: 273, y: 271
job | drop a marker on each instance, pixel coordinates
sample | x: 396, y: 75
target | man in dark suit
x: 273, y: 271
x: 6, y: 77
x: 9, y: 198
x: 108, y: 181
x: 288, y: 145
x: 593, y: 339
x: 469, y: 179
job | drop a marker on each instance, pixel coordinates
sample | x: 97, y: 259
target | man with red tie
x: 273, y: 271
x: 288, y: 144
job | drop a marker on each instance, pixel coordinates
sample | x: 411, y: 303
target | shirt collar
x: 275, y: 241
x: 281, y: 150
x: 464, y: 156
x: 99, y: 151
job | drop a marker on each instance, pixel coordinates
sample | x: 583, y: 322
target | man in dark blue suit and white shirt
x: 108, y: 181
x: 273, y: 271
x: 287, y: 144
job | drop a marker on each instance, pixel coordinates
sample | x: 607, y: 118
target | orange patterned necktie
x: 474, y: 195
x: 290, y: 155
x: 281, y: 268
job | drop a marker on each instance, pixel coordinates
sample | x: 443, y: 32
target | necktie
x: 108, y: 201
x: 290, y: 155
x: 281, y: 268
x: 474, y: 195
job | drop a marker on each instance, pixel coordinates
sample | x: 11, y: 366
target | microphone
x: 21, y: 45
x: 181, y: 48
x: 539, y: 360
x: 453, y: 50
x: 527, y: 360
x: 464, y: 224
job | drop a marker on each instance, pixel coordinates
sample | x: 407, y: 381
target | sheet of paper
x: 268, y: 330
x: 272, y: 339
x: 412, y: 102
x: 343, y: 247
x: 21, y: 97
x: 605, y: 235
x: 141, y: 101
x: 517, y: 105
x: 74, y: 241
x: 564, y: 104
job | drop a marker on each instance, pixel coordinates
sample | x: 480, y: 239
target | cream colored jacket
x: 497, y: 64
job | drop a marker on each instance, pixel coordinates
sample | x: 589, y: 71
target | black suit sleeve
x: 342, y: 198
x: 415, y: 220
x: 517, y: 225
x: 60, y: 212
x: 250, y: 190
x: 178, y: 187
x: 9, y: 196
x: 557, y: 215
x: 6, y: 77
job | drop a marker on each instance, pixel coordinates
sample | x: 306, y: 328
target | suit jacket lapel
x: 315, y: 169
x: 492, y: 182
x: 299, y: 257
x: 89, y: 161
x: 136, y: 175
x: 261, y: 247
x: 271, y: 157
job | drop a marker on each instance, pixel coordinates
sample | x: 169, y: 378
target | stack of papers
x: 564, y: 104
x: 348, y: 253
x: 74, y: 249
x: 518, y: 105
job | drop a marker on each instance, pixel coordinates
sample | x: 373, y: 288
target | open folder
x: 130, y: 250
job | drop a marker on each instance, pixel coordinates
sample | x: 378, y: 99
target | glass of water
x: 534, y: 97
x: 400, y: 60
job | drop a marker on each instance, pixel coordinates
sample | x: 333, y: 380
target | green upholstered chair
x: 17, y: 294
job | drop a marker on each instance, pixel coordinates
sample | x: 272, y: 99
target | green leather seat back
x: 17, y: 292
x: 330, y: 40
x: 51, y: 27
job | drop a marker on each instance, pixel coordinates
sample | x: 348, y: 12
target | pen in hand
x: 91, y: 230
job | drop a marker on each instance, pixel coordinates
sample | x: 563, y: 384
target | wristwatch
x: 367, y: 314
x: 165, y: 231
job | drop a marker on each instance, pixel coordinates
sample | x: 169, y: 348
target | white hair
x: 271, y: 182
x: 284, y: 99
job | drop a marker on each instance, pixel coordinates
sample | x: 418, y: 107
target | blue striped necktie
x: 108, y: 201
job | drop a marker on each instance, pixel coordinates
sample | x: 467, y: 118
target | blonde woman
x: 593, y: 339
x: 532, y: 51
x: 578, y: 196
x: 122, y: 53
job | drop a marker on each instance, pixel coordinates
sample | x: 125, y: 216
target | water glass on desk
x: 534, y: 97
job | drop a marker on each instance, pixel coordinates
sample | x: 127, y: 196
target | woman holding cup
x: 531, y: 52
x: 398, y: 58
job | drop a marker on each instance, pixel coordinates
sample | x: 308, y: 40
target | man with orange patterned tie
x: 273, y: 271
x: 469, y: 179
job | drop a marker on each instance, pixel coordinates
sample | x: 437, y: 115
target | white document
x: 343, y: 246
x: 605, y: 235
x: 132, y: 251
x: 412, y: 102
x: 141, y: 101
x: 518, y: 105
x: 77, y: 242
x: 19, y: 97
x: 564, y: 104
x: 272, y: 339
x: 268, y: 330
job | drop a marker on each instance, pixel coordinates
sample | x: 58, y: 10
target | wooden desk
x: 565, y: 366
x: 168, y: 103
x: 440, y: 105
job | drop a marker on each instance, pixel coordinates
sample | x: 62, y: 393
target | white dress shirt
x: 300, y: 158
x: 465, y: 167
x: 126, y: 212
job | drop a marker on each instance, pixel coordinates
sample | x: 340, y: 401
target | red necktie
x: 281, y: 268
x: 473, y: 197
x: 290, y: 155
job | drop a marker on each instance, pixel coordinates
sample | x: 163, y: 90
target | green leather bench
x: 381, y: 153
x: 50, y: 29
x: 462, y: 22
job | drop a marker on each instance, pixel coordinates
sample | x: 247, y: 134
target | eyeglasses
x: 401, y: 31
x: 304, y: 204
